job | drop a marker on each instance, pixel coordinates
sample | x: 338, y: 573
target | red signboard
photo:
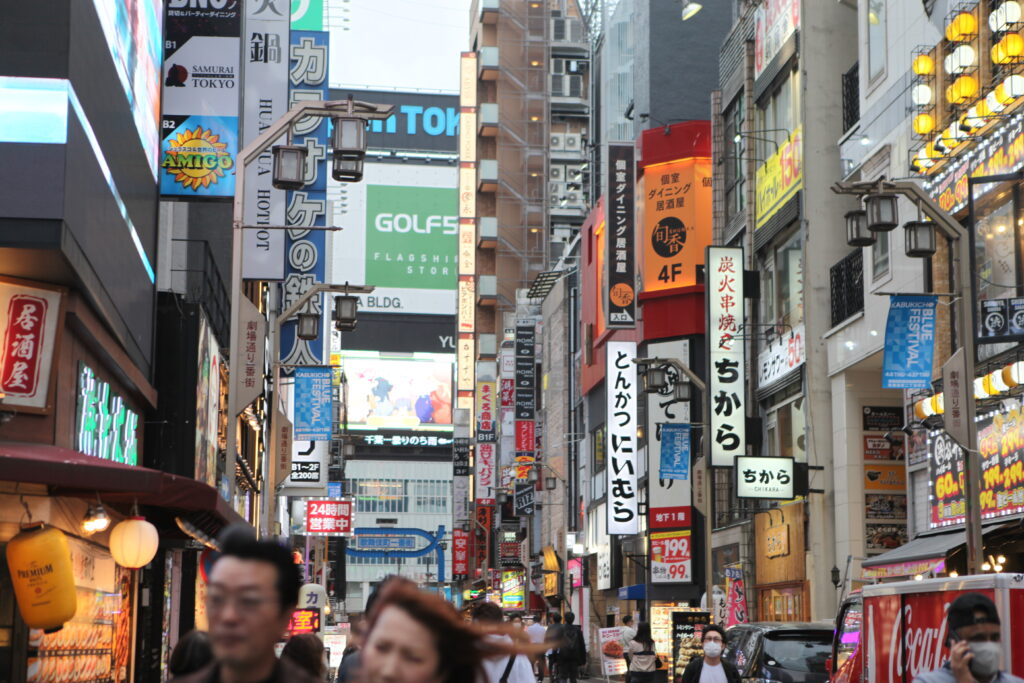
x: 460, y: 554
x: 669, y: 517
x: 508, y: 393
x: 304, y: 621
x: 482, y: 536
x: 525, y: 435
x: 328, y: 517
x: 26, y: 320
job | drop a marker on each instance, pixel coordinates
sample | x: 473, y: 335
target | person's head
x: 643, y: 633
x: 417, y: 637
x: 973, y: 618
x: 516, y: 620
x: 713, y: 641
x: 307, y: 651
x: 570, y: 618
x: 487, y: 613
x: 627, y: 619
x: 190, y: 654
x: 253, y: 588
x: 555, y: 618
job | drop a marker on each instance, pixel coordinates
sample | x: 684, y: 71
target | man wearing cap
x: 974, y: 644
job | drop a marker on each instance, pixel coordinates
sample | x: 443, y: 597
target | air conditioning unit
x: 575, y: 86
x: 557, y: 173
x: 558, y: 85
x: 573, y: 198
x: 554, y: 199
x: 572, y: 142
x: 558, y: 141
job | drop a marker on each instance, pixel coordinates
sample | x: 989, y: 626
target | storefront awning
x: 70, y: 473
x: 920, y: 556
x: 634, y: 592
x: 552, y: 563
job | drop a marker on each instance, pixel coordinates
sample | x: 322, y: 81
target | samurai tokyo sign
x: 620, y: 260
x: 623, y: 513
x: 725, y: 307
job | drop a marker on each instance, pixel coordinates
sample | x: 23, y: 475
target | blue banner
x: 909, y: 342
x: 675, y: 452
x: 313, y: 404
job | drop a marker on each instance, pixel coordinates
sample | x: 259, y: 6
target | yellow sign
x: 676, y: 222
x: 780, y: 177
x: 467, y: 135
x: 467, y: 81
x: 550, y: 585
x: 197, y: 158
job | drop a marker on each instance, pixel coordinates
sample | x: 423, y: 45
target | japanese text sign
x: 669, y: 500
x: 676, y: 222
x: 29, y: 331
x: 780, y: 177
x: 909, y: 342
x: 304, y: 621
x: 774, y: 22
x: 486, y: 412
x: 727, y: 385
x: 329, y: 517
x: 486, y: 476
x: 675, y: 452
x: 671, y: 557
x: 765, y: 477
x: 621, y: 389
x: 460, y: 554
x: 313, y: 402
x: 106, y: 427
x: 620, y: 296
x: 249, y: 385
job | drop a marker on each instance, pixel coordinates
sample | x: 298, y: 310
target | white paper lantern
x: 1007, y: 13
x: 921, y: 94
x: 1014, y: 85
x: 134, y: 542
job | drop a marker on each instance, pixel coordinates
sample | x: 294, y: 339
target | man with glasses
x: 252, y: 590
x: 974, y: 644
x: 711, y: 668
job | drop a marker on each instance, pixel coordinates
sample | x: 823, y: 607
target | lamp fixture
x: 550, y: 483
x: 531, y: 475
x: 920, y: 239
x: 690, y: 9
x: 289, y: 166
x: 346, y: 170
x: 96, y: 518
x: 836, y: 577
x: 348, y: 137
x: 857, y: 233
x: 882, y: 214
x: 346, y: 308
x: 308, y: 326
x: 655, y: 380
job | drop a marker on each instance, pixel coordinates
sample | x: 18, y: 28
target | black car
x: 791, y: 652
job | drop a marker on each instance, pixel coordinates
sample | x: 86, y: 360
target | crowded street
x: 512, y: 341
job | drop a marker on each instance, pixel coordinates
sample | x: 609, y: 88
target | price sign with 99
x: 670, y: 557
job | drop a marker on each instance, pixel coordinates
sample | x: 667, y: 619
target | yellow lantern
x: 924, y: 124
x: 938, y: 404
x: 134, y: 542
x: 998, y: 53
x: 1012, y: 47
x: 1002, y: 95
x: 923, y: 65
x: 964, y: 88
x: 919, y: 409
x: 44, y: 584
x: 963, y: 26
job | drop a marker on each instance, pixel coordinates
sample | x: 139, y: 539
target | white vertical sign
x: 265, y: 37
x: 727, y: 385
x: 621, y: 390
x: 669, y: 500
x: 485, y: 473
x: 956, y: 382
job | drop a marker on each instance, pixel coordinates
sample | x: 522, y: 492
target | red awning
x: 71, y: 473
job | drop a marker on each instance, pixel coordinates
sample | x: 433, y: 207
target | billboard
x: 676, y: 222
x: 421, y: 122
x: 399, y: 391
x: 401, y: 236
x: 620, y: 297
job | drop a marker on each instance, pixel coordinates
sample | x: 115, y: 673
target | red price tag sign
x: 671, y: 556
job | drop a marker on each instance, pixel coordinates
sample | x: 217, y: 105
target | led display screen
x: 399, y: 391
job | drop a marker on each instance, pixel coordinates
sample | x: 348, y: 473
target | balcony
x: 847, y: 287
x: 487, y: 118
x: 487, y: 232
x: 568, y: 37
x: 487, y: 290
x: 488, y: 11
x: 487, y: 63
x: 487, y: 175
x: 487, y: 345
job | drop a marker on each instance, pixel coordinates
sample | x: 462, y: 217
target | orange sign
x: 676, y: 222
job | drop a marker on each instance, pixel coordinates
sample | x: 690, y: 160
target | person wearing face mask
x: 974, y: 644
x: 711, y: 668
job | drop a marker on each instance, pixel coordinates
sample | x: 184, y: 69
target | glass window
x: 789, y: 266
x: 803, y: 651
x: 734, y: 176
x: 995, y: 250
x: 876, y: 38
x: 880, y: 255
x: 849, y: 634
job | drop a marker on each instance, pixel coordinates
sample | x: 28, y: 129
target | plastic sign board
x: 670, y: 499
x: 486, y: 464
x: 671, y: 557
x: 727, y: 364
x: 768, y: 478
x: 313, y: 404
x: 909, y: 342
x: 621, y: 468
x: 676, y: 222
x: 304, y: 621
x: 675, y: 452
x: 620, y: 260
x: 328, y: 517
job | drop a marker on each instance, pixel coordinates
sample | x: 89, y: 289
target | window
x: 598, y: 452
x: 734, y: 176
x: 880, y: 256
x: 778, y: 115
x: 849, y: 634
x: 380, y: 495
x: 876, y: 39
x: 785, y: 425
x: 782, y: 285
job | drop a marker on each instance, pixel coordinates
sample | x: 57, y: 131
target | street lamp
x: 880, y: 202
x: 289, y: 166
x: 857, y: 233
x: 345, y: 309
x: 920, y: 239
x: 308, y: 326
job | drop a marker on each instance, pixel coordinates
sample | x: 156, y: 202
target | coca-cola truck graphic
x: 892, y: 632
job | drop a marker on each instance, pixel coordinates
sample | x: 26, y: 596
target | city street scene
x: 512, y: 341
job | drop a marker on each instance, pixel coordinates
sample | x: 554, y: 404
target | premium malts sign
x: 726, y: 312
x: 623, y: 515
x: 620, y: 297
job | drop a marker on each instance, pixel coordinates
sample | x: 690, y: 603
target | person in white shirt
x: 536, y: 631
x: 503, y: 669
x: 711, y: 668
x: 628, y: 634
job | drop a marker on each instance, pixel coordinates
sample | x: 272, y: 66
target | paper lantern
x: 993, y: 103
x: 1007, y: 13
x: 961, y: 59
x: 977, y: 115
x: 134, y: 542
x: 921, y: 94
x: 962, y: 90
x: 962, y: 27
x: 938, y: 404
x: 1013, y: 374
x: 995, y: 380
x: 923, y: 65
x: 922, y: 159
x: 44, y: 585
x: 1002, y: 95
x: 924, y: 124
x: 980, y: 390
x: 1014, y: 86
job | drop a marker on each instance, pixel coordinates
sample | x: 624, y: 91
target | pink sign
x: 735, y: 597
x: 328, y: 517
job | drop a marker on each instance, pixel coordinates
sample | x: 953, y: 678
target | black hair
x: 643, y: 635
x: 627, y: 619
x: 970, y: 609
x: 555, y: 618
x: 487, y: 612
x: 713, y: 627
x: 570, y: 618
x: 244, y: 546
x: 191, y: 653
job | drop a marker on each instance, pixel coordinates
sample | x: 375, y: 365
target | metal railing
x: 851, y: 97
x: 847, y: 287
x: 204, y: 285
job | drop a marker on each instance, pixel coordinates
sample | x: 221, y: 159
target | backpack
x: 575, y: 649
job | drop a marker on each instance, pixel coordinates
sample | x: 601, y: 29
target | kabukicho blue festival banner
x: 909, y: 342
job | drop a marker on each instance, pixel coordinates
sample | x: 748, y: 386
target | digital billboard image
x: 198, y: 156
x: 399, y: 391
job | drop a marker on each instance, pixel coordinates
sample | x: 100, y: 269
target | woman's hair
x: 190, y: 654
x: 307, y: 651
x: 643, y: 635
x: 461, y: 646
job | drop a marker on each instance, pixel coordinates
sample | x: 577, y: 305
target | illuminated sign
x: 768, y: 478
x: 328, y: 517
x: 623, y: 517
x: 726, y: 312
x: 304, y: 621
x: 105, y: 427
x: 676, y: 222
x: 29, y: 332
x: 620, y: 297
x: 780, y: 177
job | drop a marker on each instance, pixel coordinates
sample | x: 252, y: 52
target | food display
x: 687, y: 634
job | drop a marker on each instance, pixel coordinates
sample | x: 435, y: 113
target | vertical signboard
x: 486, y: 465
x: 774, y: 22
x: 485, y: 412
x: 460, y: 555
x: 460, y: 481
x: 727, y: 366
x: 199, y: 125
x: 620, y: 297
x: 623, y: 517
x: 29, y: 330
x: 313, y: 402
x: 249, y: 384
x: 264, y: 101
x: 670, y: 500
x: 207, y: 405
x: 909, y: 342
x: 328, y: 517
x: 525, y: 375
x: 676, y: 222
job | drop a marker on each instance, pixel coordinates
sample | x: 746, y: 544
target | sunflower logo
x: 196, y: 158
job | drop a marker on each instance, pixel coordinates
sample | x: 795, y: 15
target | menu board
x: 687, y: 634
x: 661, y: 628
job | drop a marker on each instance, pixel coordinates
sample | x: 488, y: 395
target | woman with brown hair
x: 307, y: 651
x: 417, y: 637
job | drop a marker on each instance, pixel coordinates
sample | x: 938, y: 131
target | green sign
x: 106, y: 428
x: 307, y: 15
x: 411, y: 237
